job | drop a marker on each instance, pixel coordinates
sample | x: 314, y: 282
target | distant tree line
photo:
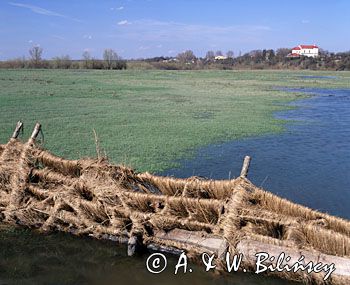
x: 255, y: 59
x: 111, y: 60
x: 187, y: 60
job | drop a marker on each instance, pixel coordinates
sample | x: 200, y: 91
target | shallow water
x: 308, y: 164
x: 317, y: 77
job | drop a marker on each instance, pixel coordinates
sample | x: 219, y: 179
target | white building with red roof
x: 305, y: 50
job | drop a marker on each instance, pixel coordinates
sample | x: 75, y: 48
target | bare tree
x: 324, y: 52
x: 35, y: 54
x: 186, y: 56
x: 110, y: 57
x: 87, y: 59
x: 218, y: 53
x: 230, y: 54
x: 210, y: 55
x: 282, y: 52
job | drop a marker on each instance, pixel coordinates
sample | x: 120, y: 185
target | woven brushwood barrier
x: 95, y: 198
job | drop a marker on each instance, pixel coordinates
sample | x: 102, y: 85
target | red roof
x: 304, y: 47
x: 309, y: 46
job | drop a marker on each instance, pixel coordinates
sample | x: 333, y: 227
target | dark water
x: 30, y: 258
x: 308, y: 164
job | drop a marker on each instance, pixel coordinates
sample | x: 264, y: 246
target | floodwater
x: 308, y: 164
x: 317, y: 77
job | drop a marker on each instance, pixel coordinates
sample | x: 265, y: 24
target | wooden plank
x: 250, y: 247
x: 342, y: 264
x: 214, y: 244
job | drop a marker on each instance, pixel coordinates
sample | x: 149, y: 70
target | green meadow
x: 148, y: 119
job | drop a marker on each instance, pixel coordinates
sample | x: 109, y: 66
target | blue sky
x: 145, y: 28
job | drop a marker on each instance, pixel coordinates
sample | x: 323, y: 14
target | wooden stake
x: 18, y: 128
x: 97, y: 145
x: 132, y: 245
x: 36, y: 131
x: 245, y: 167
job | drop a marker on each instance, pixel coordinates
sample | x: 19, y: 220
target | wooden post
x: 133, y: 244
x: 18, y: 128
x: 245, y: 167
x: 36, y: 131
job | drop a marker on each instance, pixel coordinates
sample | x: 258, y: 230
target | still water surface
x: 308, y: 164
x: 29, y: 258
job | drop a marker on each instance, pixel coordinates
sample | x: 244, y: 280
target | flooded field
x: 308, y: 164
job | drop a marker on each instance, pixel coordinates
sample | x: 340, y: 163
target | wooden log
x: 17, y: 130
x: 119, y: 239
x: 165, y: 249
x: 249, y: 249
x: 245, y: 167
x: 206, y: 242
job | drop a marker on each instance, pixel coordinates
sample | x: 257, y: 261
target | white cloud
x: 118, y: 8
x: 37, y: 9
x: 164, y: 36
x: 123, y: 23
x: 41, y: 11
x: 30, y: 41
x: 152, y: 30
x: 89, y: 37
x: 305, y: 21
